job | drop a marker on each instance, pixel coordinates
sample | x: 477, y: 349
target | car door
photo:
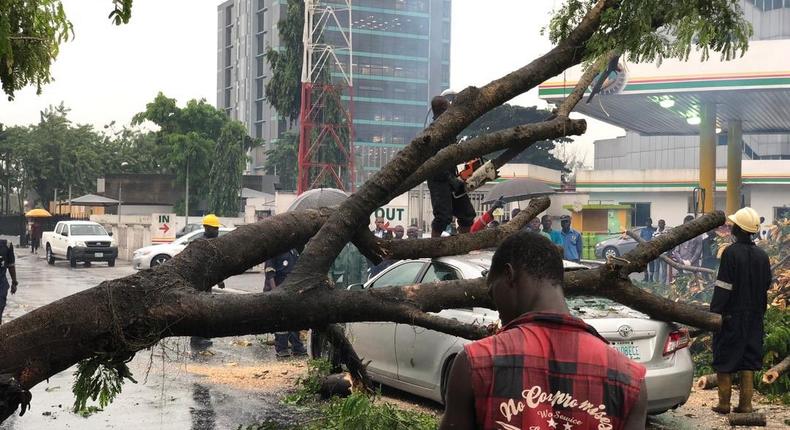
x: 375, y: 341
x: 420, y: 352
x: 61, y: 240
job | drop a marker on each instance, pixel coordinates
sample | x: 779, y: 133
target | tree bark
x: 749, y: 419
x: 670, y: 261
x: 774, y: 373
x: 706, y: 382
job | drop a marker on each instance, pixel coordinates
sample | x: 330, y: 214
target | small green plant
x: 308, y: 386
x: 362, y: 412
x: 776, y: 347
x: 101, y: 378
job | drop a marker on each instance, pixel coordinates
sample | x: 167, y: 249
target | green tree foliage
x: 282, y: 160
x: 190, y: 144
x: 283, y: 91
x: 30, y: 36
x: 227, y: 165
x: 507, y: 116
x: 55, y: 154
x: 710, y: 25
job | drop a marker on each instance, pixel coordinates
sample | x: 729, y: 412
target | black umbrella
x: 513, y: 190
x: 318, y: 198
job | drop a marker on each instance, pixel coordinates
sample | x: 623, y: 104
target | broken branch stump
x: 750, y: 419
x: 706, y: 382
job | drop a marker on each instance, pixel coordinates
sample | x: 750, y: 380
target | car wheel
x: 87, y: 264
x: 72, y: 260
x: 320, y: 347
x: 159, y: 260
x: 111, y: 263
x: 446, y: 377
x: 610, y: 251
x: 50, y: 257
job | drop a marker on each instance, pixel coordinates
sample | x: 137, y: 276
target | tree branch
x: 670, y: 261
x: 459, y: 244
x: 467, y: 106
x: 516, y: 138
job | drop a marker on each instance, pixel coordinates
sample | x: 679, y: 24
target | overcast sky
x: 108, y: 73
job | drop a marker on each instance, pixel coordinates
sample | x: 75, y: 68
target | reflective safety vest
x: 554, y: 372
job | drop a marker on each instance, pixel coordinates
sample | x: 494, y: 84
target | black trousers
x: 445, y: 206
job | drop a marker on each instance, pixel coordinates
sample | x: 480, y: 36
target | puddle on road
x: 240, y: 384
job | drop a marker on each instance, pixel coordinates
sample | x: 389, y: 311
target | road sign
x: 163, y: 228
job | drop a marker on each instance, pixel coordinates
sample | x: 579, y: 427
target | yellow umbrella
x: 38, y: 213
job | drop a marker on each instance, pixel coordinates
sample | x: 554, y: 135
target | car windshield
x: 87, y: 230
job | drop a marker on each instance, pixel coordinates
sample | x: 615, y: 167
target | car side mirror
x: 355, y: 287
x: 109, y: 234
x: 65, y: 233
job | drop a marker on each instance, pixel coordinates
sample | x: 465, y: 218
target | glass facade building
x: 401, y: 58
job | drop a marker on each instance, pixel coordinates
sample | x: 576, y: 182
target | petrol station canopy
x: 667, y: 99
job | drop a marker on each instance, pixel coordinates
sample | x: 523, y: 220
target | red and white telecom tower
x: 326, y: 128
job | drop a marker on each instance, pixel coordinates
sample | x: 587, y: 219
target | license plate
x: 629, y: 349
x: 99, y: 254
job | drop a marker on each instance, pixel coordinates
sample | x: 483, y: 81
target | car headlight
x: 80, y: 243
x: 142, y: 252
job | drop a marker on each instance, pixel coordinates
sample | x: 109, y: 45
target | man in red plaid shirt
x: 544, y: 369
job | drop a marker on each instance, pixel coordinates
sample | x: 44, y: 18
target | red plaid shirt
x: 554, y: 372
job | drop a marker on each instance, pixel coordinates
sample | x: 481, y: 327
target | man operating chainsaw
x: 448, y: 192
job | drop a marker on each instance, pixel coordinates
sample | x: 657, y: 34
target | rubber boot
x: 724, y: 380
x: 746, y: 392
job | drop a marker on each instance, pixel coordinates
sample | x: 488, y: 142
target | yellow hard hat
x: 211, y: 220
x: 747, y: 219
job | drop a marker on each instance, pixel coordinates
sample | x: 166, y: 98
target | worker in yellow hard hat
x: 740, y: 297
x: 211, y: 227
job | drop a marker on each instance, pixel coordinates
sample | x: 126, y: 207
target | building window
x: 259, y: 130
x: 228, y: 101
x: 446, y: 9
x: 259, y: 89
x: 781, y: 213
x: 228, y: 53
x: 261, y: 4
x: 259, y: 111
x: 259, y: 62
x: 640, y: 212
x: 228, y: 36
x: 229, y: 15
x: 261, y: 22
x: 446, y: 30
x: 227, y: 76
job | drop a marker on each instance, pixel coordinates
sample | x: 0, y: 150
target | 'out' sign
x: 394, y: 214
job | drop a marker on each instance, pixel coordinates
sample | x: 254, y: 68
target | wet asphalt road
x: 169, y: 397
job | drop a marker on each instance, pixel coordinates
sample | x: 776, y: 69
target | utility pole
x: 120, y: 188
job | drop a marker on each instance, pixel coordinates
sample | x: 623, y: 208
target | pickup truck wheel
x: 111, y: 263
x: 72, y: 260
x: 50, y: 257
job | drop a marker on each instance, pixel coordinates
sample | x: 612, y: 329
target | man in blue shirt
x: 554, y: 235
x: 647, y: 235
x: 277, y: 269
x: 571, y: 240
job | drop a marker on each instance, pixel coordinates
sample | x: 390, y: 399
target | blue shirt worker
x: 554, y: 235
x: 646, y: 234
x: 7, y: 261
x: 571, y: 240
x: 277, y: 269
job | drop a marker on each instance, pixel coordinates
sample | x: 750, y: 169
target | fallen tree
x: 120, y: 317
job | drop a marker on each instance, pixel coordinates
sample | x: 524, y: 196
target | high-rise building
x: 401, y: 58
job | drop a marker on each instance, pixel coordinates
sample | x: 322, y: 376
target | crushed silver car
x: 418, y: 360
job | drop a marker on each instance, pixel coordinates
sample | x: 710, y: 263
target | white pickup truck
x: 79, y: 241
